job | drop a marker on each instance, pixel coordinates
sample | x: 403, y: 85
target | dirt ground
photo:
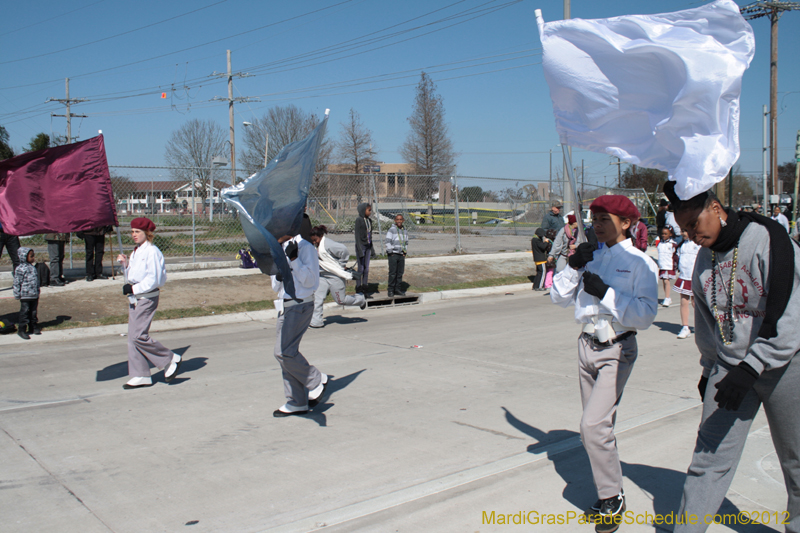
x: 100, y: 298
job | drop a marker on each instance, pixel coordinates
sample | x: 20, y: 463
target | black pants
x: 397, y: 265
x: 27, y: 315
x: 95, y: 245
x: 538, y: 280
x: 11, y: 243
x: 55, y: 249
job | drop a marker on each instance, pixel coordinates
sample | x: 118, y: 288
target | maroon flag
x: 57, y: 190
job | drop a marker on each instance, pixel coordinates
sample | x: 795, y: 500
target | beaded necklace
x: 729, y: 317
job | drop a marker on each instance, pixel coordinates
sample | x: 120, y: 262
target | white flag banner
x: 660, y: 91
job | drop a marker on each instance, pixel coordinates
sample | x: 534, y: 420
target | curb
x: 233, y: 318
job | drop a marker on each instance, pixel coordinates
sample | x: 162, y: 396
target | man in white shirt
x: 303, y: 384
x: 780, y: 218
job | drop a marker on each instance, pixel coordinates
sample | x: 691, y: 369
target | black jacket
x: 539, y: 249
x: 552, y: 221
x: 363, y: 231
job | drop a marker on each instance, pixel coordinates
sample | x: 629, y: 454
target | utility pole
x: 764, y: 161
x: 773, y: 10
x: 619, y: 171
x: 230, y: 99
x: 68, y: 102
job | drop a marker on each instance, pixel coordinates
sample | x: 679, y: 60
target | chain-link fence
x: 443, y: 214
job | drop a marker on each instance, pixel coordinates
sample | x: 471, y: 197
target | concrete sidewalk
x: 481, y: 416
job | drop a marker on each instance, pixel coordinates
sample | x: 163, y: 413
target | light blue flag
x: 271, y: 202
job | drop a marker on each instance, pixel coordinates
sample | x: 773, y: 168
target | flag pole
x: 574, y: 186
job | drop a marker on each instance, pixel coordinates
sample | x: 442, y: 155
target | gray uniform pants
x: 298, y: 375
x: 141, y: 347
x: 55, y: 249
x: 603, y: 372
x: 722, y: 435
x: 336, y: 286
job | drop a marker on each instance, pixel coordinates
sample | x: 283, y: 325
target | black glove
x: 701, y: 386
x: 291, y: 250
x: 732, y: 389
x: 356, y: 275
x: 583, y: 254
x: 279, y: 276
x: 594, y: 285
x: 127, y: 289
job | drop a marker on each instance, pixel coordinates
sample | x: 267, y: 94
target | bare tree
x: 428, y: 147
x: 355, y: 147
x: 285, y: 125
x: 190, y: 150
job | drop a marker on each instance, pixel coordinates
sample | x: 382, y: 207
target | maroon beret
x: 143, y: 223
x: 571, y: 219
x: 615, y: 204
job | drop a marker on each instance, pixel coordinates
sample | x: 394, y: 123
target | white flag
x: 660, y: 91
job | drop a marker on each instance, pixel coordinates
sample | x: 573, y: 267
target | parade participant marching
x: 364, y: 250
x: 396, y: 250
x: 747, y: 307
x: 615, y: 293
x: 303, y: 384
x: 666, y: 261
x: 145, y: 273
x: 333, y: 258
x: 687, y: 254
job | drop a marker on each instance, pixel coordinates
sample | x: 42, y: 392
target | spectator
x: 55, y: 249
x: 10, y: 243
x: 639, y: 235
x: 553, y: 220
x: 333, y: 258
x: 26, y: 290
x: 673, y: 224
x: 780, y: 218
x: 363, y: 234
x: 540, y: 245
x: 396, y: 250
x: 661, y: 216
x: 94, y: 242
x: 564, y: 243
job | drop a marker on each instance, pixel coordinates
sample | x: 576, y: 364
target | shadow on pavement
x: 344, y: 320
x: 663, y: 485
x: 669, y: 328
x: 317, y: 414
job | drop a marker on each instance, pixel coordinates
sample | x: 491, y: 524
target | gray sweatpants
x: 722, y: 435
x: 336, y: 286
x: 141, y: 347
x: 603, y: 372
x: 298, y: 375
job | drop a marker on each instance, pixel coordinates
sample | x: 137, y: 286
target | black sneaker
x: 22, y: 333
x: 594, y: 509
x: 609, y: 518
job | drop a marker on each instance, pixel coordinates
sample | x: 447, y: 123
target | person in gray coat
x: 333, y: 273
x: 363, y: 234
x: 26, y: 290
x: 396, y: 250
x: 55, y: 249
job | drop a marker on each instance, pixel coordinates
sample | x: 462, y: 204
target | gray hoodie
x: 749, y: 306
x: 26, y: 280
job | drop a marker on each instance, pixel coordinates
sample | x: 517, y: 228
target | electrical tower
x: 773, y: 10
x: 230, y: 99
x: 68, y: 102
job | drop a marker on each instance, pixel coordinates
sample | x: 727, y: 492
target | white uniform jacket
x: 632, y: 297
x: 305, y: 270
x: 146, y: 270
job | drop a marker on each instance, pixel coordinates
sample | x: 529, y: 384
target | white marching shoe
x: 685, y: 332
x: 172, y: 369
x: 666, y: 302
x: 135, y: 383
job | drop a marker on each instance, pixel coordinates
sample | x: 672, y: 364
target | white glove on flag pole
x: 660, y: 91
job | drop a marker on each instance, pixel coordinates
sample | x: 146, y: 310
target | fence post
x: 194, y: 206
x: 458, y: 217
x: 377, y: 212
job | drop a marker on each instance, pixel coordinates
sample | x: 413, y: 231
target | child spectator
x: 540, y: 245
x: 363, y: 234
x: 26, y: 290
x: 687, y: 253
x: 396, y: 250
x: 666, y: 261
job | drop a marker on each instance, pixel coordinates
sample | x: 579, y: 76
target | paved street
x: 483, y: 416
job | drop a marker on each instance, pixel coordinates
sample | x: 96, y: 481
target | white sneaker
x: 685, y: 332
x: 135, y: 383
x: 317, y: 392
x: 172, y: 369
x: 666, y: 302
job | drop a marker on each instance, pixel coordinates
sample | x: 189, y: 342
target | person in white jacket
x: 146, y: 274
x: 333, y: 258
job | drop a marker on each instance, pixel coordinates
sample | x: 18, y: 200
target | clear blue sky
x: 364, y: 54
